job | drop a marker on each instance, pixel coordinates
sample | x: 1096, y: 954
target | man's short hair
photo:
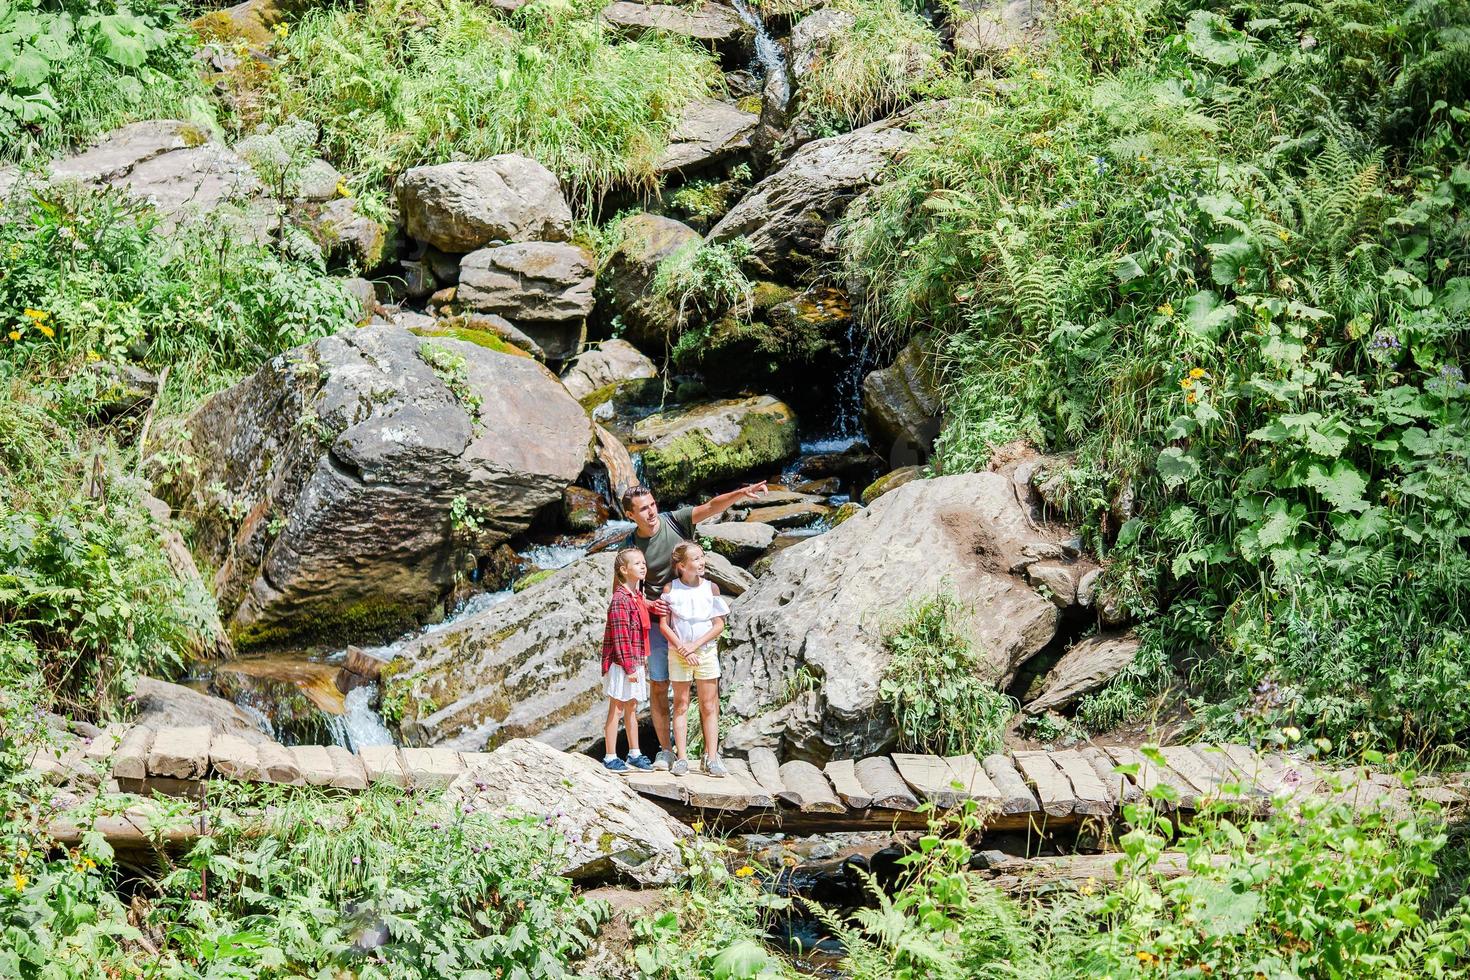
x: 633, y: 493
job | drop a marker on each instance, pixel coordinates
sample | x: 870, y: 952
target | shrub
x: 76, y: 68
x: 935, y: 684
x: 394, y: 85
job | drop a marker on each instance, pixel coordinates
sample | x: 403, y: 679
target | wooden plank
x: 1253, y: 771
x: 180, y: 753
x: 843, y: 774
x: 1089, y: 794
x: 382, y: 765
x: 1053, y: 788
x: 1231, y: 784
x: 350, y: 771
x: 106, y: 743
x: 130, y: 760
x: 754, y: 792
x: 930, y: 776
x: 315, y: 764
x: 767, y: 771
x: 1147, y: 776
x: 1017, y: 796
x: 231, y: 757
x: 807, y: 789
x: 713, y: 792
x: 884, y: 786
x: 431, y: 768
x: 1121, y: 789
x: 1186, y: 774
x: 278, y: 765
x: 657, y: 784
x: 974, y: 783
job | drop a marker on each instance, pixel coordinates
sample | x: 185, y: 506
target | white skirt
x: 615, y: 684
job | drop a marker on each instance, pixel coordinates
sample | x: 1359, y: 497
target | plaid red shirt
x: 625, y: 641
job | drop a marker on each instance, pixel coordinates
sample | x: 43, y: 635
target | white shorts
x: 615, y: 684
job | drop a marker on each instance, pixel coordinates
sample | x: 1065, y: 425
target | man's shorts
x: 707, y: 669
x: 658, y: 654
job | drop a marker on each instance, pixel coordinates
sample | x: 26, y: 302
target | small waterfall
x: 767, y: 52
x: 846, y: 428
x: 359, y: 724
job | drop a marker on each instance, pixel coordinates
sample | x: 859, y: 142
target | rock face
x: 623, y: 282
x: 608, y: 363
x: 785, y: 217
x: 529, y: 667
x: 323, y: 483
x: 347, y: 235
x: 164, y: 705
x: 544, y: 287
x: 690, y: 448
x: 901, y: 407
x: 459, y: 207
x: 716, y: 26
x: 616, y: 464
x: 708, y: 132
x: 609, y: 829
x: 813, y: 36
x: 1085, y: 668
x: 986, y: 29
x: 826, y: 604
x: 740, y: 541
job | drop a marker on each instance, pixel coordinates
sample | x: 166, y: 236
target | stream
x: 768, y: 53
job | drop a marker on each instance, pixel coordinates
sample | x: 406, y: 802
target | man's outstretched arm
x: 716, y: 506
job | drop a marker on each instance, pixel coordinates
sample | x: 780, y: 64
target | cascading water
x: 768, y: 53
x: 846, y: 426
x: 359, y: 724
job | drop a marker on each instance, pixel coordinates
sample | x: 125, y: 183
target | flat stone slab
x: 180, y: 753
x: 278, y: 765
x: 316, y: 766
x: 232, y: 757
x: 432, y: 768
x: 382, y: 765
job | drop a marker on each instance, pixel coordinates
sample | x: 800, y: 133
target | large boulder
x: 714, y: 25
x: 785, y: 217
x: 623, y: 283
x: 322, y: 486
x: 986, y: 30
x: 902, y: 406
x: 1087, y: 667
x: 459, y: 207
x: 825, y: 606
x: 616, y: 467
x: 544, y: 287
x: 608, y: 828
x: 708, y: 132
x: 527, y: 667
x: 160, y: 704
x: 692, y: 447
x: 604, y: 365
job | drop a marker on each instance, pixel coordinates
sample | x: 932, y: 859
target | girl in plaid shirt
x: 625, y: 659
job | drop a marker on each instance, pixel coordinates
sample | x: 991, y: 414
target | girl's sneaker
x: 714, y: 767
x: 640, y: 762
x: 614, y: 765
x: 680, y: 767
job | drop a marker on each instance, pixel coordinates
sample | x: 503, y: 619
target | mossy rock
x: 480, y: 338
x: 625, y: 395
x: 526, y: 581
x: 844, y: 512
x: 891, y: 480
x: 693, y: 448
x: 372, y: 619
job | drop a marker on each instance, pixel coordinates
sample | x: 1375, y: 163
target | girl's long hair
x: 619, y: 562
x: 684, y: 550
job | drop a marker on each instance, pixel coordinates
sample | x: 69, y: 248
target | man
x: 656, y: 536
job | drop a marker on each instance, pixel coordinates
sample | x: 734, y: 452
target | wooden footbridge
x: 1017, y: 791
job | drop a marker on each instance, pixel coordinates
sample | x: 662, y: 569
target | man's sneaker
x: 680, y: 767
x: 614, y: 765
x: 714, y: 767
x: 640, y: 762
x: 662, y: 760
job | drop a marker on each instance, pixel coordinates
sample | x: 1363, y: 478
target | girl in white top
x: 698, y: 617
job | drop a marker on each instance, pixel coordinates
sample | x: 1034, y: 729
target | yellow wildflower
x: 1186, y: 383
x: 698, y: 826
x: 1191, y: 398
x: 35, y: 316
x: 14, y: 335
x: 1146, y: 958
x: 744, y: 872
x: 1283, y: 234
x: 93, y: 356
x: 1196, y: 373
x: 1167, y: 310
x: 281, y: 30
x: 20, y: 880
x: 46, y: 331
x: 1143, y: 158
x: 1037, y: 74
x: 14, y: 251
x: 343, y: 190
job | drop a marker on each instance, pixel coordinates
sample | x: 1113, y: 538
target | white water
x: 767, y: 51
x: 359, y: 724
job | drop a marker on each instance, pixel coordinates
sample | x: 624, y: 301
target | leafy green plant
x: 705, y: 279
x: 935, y: 684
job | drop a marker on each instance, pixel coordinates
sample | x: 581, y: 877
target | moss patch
x: 480, y: 338
x: 379, y: 618
x: 678, y: 465
x: 526, y: 581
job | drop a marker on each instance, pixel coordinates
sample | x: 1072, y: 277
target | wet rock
x: 608, y: 363
x: 300, y: 697
x: 322, y: 485
x: 160, y: 704
x: 845, y: 511
x: 616, y: 464
x: 582, y: 509
x: 649, y: 320
x: 460, y: 207
x: 741, y: 542
x: 1087, y: 667
x: 985, y: 30
x: 857, y: 463
x: 891, y: 480
x: 347, y: 236
x: 693, y: 447
x: 785, y: 516
x: 714, y: 25
x: 545, y: 287
x: 825, y: 606
x: 708, y: 132
x: 489, y: 330
x: 785, y: 216
x: 902, y: 406
x: 528, y: 667
x: 608, y: 828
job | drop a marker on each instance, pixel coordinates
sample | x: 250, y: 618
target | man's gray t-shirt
x: 673, y: 527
